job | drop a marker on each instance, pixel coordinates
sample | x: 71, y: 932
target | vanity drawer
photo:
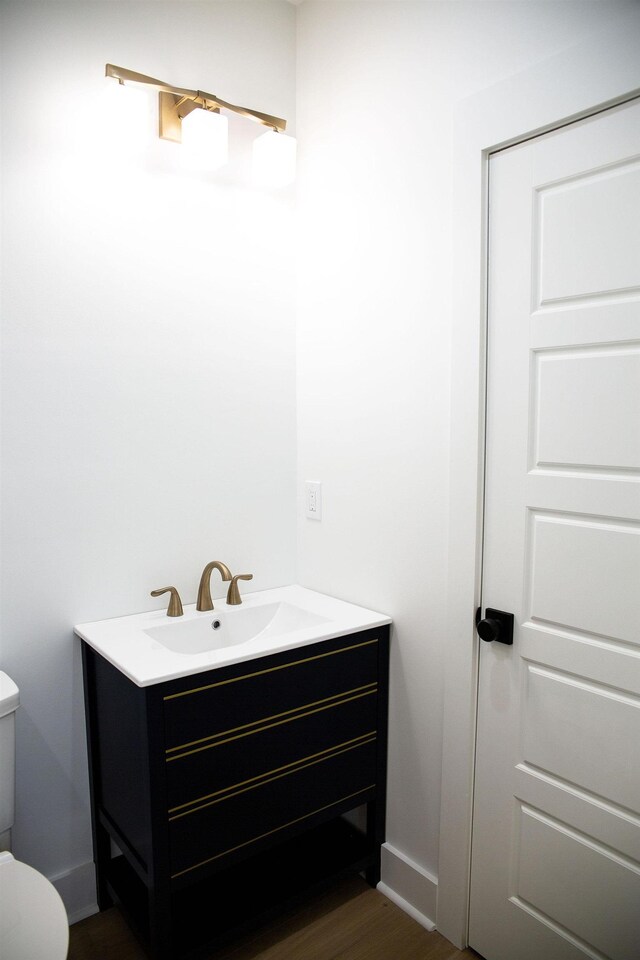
x: 237, y: 819
x: 247, y: 753
x: 248, y: 693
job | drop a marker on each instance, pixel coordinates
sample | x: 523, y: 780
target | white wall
x: 377, y: 87
x: 148, y: 404
x: 148, y: 358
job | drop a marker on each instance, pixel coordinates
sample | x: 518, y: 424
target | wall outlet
x: 313, y: 499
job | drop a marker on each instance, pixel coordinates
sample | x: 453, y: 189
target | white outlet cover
x: 313, y: 499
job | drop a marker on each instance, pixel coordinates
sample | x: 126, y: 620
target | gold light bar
x: 177, y: 102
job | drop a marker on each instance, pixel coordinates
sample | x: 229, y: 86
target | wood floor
x: 351, y: 922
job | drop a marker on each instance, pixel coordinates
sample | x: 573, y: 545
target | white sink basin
x: 151, y: 647
x: 233, y: 625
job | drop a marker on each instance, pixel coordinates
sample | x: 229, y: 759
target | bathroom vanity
x: 219, y: 795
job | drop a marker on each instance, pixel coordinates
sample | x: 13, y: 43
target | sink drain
x: 216, y: 625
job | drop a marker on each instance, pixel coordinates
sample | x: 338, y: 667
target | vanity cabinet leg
x: 101, y: 839
x: 375, y: 836
x: 376, y: 809
x: 160, y: 925
x: 102, y: 855
x: 372, y: 873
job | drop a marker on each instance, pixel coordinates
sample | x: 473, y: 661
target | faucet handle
x: 233, y: 594
x: 175, y: 604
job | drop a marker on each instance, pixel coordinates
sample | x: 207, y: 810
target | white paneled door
x: 556, y: 835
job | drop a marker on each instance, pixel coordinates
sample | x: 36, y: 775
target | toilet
x: 33, y: 920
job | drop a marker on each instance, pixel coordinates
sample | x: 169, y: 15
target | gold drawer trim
x: 258, y: 673
x: 277, y: 718
x: 208, y: 800
x: 291, y: 823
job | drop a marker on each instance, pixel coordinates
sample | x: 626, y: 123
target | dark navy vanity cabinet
x: 224, y: 792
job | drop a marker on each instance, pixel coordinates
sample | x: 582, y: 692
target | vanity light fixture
x: 186, y: 116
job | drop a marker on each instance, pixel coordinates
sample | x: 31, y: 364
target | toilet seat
x: 33, y: 920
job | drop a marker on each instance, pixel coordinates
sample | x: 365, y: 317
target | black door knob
x: 496, y: 625
x: 489, y: 629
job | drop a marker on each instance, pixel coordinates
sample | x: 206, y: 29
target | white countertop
x: 125, y: 643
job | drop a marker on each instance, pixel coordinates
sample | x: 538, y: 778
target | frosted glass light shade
x: 128, y: 118
x: 204, y: 141
x: 274, y: 159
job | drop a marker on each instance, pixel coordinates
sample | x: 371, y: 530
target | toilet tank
x: 9, y: 700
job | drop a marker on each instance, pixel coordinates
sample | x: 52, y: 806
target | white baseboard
x: 404, y: 882
x: 77, y: 887
x: 409, y: 886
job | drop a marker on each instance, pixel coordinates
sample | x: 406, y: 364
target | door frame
x: 583, y: 80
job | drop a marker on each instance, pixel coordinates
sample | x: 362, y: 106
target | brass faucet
x: 175, y: 604
x: 204, y: 590
x: 233, y: 594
